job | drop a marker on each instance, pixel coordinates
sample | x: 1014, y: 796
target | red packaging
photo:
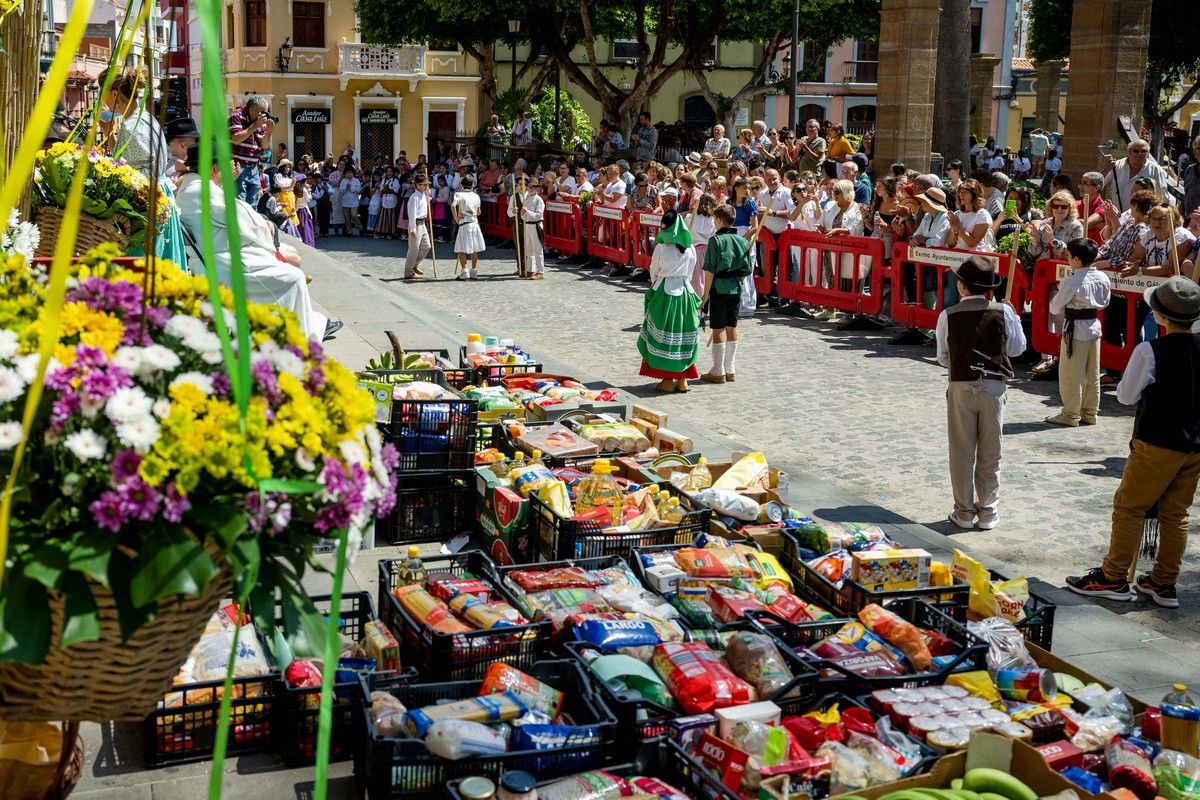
x: 698, y: 678
x: 1152, y: 724
x: 540, y: 580
x: 729, y: 605
x: 1061, y: 754
x: 600, y: 515
x: 447, y: 588
x: 727, y: 761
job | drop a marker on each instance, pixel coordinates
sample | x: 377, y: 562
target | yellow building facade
x: 332, y: 91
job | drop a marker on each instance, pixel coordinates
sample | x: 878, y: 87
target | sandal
x: 666, y: 386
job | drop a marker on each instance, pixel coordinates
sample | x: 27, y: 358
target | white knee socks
x: 718, y: 367
x: 730, y: 355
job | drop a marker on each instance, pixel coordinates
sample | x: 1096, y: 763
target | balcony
x: 381, y: 62
x: 861, y: 72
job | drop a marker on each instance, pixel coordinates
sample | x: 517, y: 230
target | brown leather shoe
x: 414, y: 277
x: 665, y: 385
x: 682, y: 386
x: 711, y: 378
x: 729, y: 377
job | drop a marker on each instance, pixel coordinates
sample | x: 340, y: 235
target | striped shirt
x: 246, y: 152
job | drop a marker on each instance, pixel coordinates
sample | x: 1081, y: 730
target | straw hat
x: 694, y: 158
x: 935, y: 198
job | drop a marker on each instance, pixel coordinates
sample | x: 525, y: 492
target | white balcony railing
x: 379, y: 61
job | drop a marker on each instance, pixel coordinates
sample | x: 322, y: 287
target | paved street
x: 846, y: 406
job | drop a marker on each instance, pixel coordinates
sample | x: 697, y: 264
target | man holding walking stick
x: 419, y: 239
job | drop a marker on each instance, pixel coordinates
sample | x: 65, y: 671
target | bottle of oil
x: 600, y: 489
x: 675, y: 511
x: 700, y: 477
x: 664, y: 497
x: 412, y: 571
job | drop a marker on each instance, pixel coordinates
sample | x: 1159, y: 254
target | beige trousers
x: 418, y: 248
x: 974, y: 422
x: 1079, y: 379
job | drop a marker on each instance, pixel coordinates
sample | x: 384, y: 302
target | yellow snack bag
x: 770, y: 571
x: 750, y: 472
x: 969, y: 571
x: 1007, y: 598
x: 939, y: 574
x: 554, y: 494
x: 978, y: 683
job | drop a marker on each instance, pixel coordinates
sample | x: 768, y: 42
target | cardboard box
x: 1045, y: 658
x: 656, y: 418
x: 892, y: 569
x: 987, y: 750
x: 505, y: 529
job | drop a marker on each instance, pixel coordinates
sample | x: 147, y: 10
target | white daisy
x: 140, y: 434
x: 202, y: 341
x: 129, y: 359
x: 10, y: 435
x: 288, y: 362
x: 212, y: 356
x: 353, y: 452
x: 197, y: 379
x: 11, y: 385
x: 27, y: 366
x: 304, y: 460
x: 8, y: 343
x: 181, y: 326
x: 162, y: 408
x: 86, y: 445
x: 159, y: 357
x: 128, y: 404
x: 90, y: 407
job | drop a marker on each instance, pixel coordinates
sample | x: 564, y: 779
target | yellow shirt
x: 839, y: 148
x: 287, y: 204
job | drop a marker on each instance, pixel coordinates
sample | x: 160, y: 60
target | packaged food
x: 898, y: 632
x: 614, y: 437
x: 832, y: 567
x: 501, y: 707
x: 750, y: 472
x: 575, y: 601
x: 379, y: 644
x: 539, y: 580
x: 729, y: 605
x: 754, y: 658
x: 427, y: 609
x: 698, y: 678
x: 885, y: 569
x: 730, y: 504
x: 723, y: 759
x: 444, y: 586
x: 769, y: 570
x: 454, y: 739
x: 541, y: 736
x: 528, y: 478
x: 1129, y: 768
x: 387, y: 714
x: 615, y: 634
x: 1005, y: 599
x: 713, y: 562
x: 595, y: 785
x: 555, y: 440
x: 657, y: 789
x: 764, y: 712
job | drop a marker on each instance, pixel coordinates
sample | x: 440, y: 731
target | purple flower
x: 88, y: 356
x: 273, y: 515
x: 264, y: 376
x: 221, y: 385
x: 125, y: 466
x: 62, y: 410
x: 390, y: 457
x: 107, y: 511
x: 175, y: 505
x: 99, y: 385
x: 140, y: 500
x: 59, y: 379
x: 316, y: 353
x: 315, y: 381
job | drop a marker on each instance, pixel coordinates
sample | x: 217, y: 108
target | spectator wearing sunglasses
x: 1119, y: 182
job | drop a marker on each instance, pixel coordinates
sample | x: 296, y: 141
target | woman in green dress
x: 670, y: 338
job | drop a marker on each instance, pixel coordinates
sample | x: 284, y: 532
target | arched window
x: 697, y: 111
x: 811, y: 111
x: 860, y: 119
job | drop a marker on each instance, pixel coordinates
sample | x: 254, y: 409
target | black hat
x: 182, y: 128
x: 192, y: 162
x: 1176, y: 299
x: 978, y: 273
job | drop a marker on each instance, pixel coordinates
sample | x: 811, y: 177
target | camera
x: 271, y: 117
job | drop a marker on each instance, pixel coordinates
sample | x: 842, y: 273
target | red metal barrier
x: 845, y: 272
x: 608, y: 234
x: 1115, y: 345
x: 764, y: 272
x: 493, y: 216
x: 645, y: 227
x: 563, y: 225
x: 922, y: 262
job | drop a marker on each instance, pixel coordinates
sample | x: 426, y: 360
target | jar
x: 477, y: 789
x: 517, y: 785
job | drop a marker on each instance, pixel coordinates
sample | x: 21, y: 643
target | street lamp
x: 285, y: 53
x: 514, y: 27
x: 794, y: 58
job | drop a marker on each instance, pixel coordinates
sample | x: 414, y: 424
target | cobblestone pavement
x: 846, y: 406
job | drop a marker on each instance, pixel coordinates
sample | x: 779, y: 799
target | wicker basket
x: 109, y: 679
x: 93, y: 231
x: 52, y: 781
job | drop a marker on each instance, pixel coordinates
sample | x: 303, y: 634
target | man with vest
x: 1163, y: 379
x: 975, y: 339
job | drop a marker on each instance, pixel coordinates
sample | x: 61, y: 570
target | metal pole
x: 557, y: 115
x: 792, y: 121
x: 514, y: 61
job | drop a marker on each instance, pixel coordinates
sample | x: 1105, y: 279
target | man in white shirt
x: 1118, y: 183
x: 760, y: 139
x: 1039, y: 143
x: 1081, y: 295
x: 522, y: 130
x: 418, y: 228
x: 774, y: 205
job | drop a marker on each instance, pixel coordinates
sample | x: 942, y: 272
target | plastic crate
x: 297, y: 709
x: 853, y: 596
x: 186, y: 731
x: 493, y: 374
x: 972, y: 652
x: 404, y: 767
x: 1038, y: 625
x: 559, y: 538
x: 927, y: 754
x: 458, y: 656
x: 639, y: 569
x: 430, y: 508
x: 501, y: 572
x: 431, y: 435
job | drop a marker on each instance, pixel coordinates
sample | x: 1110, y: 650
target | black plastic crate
x: 853, y: 596
x: 182, y: 728
x: 972, y: 652
x: 1038, y: 625
x: 297, y: 709
x: 404, y: 768
x: 501, y: 572
x: 458, y: 656
x: 927, y: 754
x: 561, y: 538
x: 430, y: 508
x: 639, y: 569
x: 492, y: 374
x: 431, y: 435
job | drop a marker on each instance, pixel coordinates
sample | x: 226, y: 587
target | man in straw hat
x: 975, y: 339
x: 1163, y: 380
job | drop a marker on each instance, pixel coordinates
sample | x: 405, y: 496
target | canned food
x: 1027, y: 684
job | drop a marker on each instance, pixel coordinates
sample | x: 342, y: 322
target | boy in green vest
x: 726, y: 262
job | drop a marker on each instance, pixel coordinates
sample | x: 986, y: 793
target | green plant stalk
x: 328, y: 670
x: 226, y: 710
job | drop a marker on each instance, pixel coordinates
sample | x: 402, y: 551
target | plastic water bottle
x: 700, y: 477
x: 413, y: 570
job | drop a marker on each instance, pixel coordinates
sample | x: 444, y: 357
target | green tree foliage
x: 1050, y: 29
x: 575, y: 125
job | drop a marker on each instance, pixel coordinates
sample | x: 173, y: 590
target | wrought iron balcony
x: 378, y: 61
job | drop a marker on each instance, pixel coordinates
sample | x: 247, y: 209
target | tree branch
x: 601, y: 85
x: 1184, y: 99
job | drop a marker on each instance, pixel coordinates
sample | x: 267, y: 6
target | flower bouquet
x: 145, y: 495
x: 116, y: 197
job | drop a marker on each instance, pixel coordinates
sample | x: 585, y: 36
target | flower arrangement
x: 111, y: 187
x: 19, y: 238
x: 142, y: 474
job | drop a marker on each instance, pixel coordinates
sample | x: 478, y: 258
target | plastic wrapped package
x: 849, y: 771
x: 421, y: 390
x: 1093, y: 733
x: 540, y: 580
x: 1129, y: 768
x: 537, y: 696
x: 904, y: 745
x: 698, y: 679
x: 387, y: 713
x: 503, y: 707
x: 754, y: 658
x: 1177, y: 774
x: 1006, y: 644
x: 729, y: 503
x: 1106, y: 703
x: 714, y: 562
x: 898, y: 632
x: 595, y: 785
x: 887, y: 765
x: 455, y: 739
x: 428, y: 610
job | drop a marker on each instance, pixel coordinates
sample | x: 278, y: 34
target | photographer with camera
x: 248, y: 127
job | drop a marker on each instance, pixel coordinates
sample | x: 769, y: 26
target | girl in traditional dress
x: 670, y: 341
x: 469, y: 240
x: 304, y: 209
x: 385, y: 226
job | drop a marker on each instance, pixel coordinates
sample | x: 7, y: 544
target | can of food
x: 1027, y: 684
x: 771, y: 511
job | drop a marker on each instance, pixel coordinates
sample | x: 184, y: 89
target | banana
x: 991, y: 796
x: 905, y: 794
x: 956, y: 783
x: 962, y: 794
x: 985, y: 780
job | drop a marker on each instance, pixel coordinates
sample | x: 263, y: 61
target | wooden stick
x: 432, y: 243
x: 1012, y: 268
x: 1171, y: 244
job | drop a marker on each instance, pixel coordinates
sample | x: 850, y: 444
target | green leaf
x: 288, y: 486
x: 171, y: 563
x: 90, y: 553
x: 47, y: 564
x: 81, y: 621
x: 25, y: 614
x: 129, y: 615
x: 223, y: 522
